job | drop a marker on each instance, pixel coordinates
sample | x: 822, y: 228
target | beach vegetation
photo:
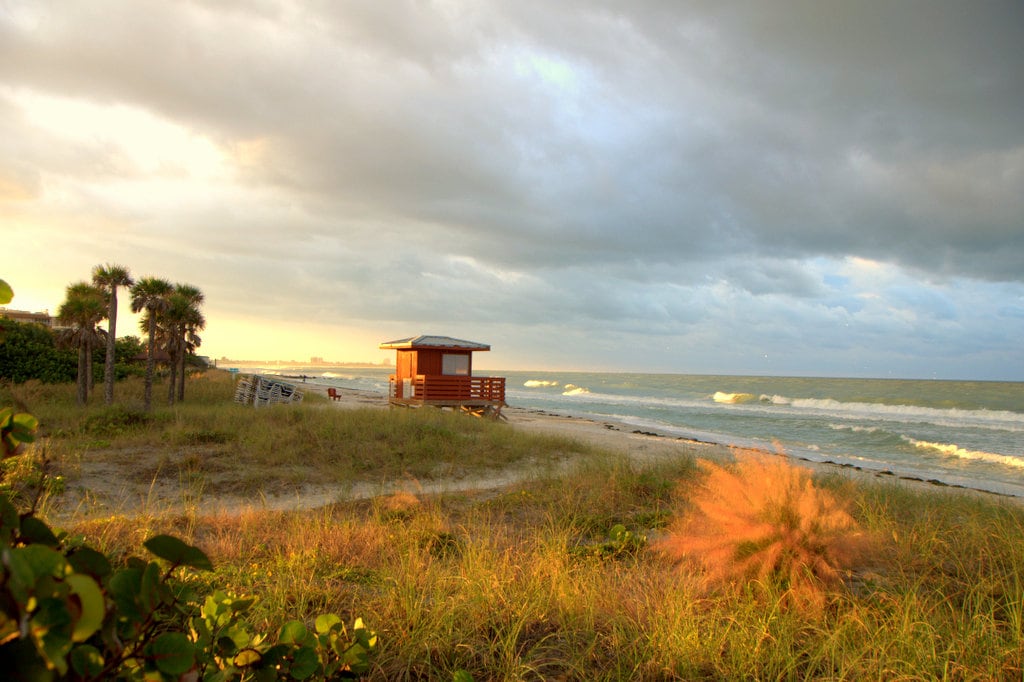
x: 80, y: 313
x: 762, y: 522
x: 150, y: 295
x: 553, y: 573
x: 109, y: 278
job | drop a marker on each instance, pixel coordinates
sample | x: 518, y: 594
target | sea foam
x: 954, y: 450
x: 732, y: 398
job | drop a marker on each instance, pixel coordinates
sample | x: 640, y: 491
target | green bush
x: 29, y: 352
x: 67, y: 611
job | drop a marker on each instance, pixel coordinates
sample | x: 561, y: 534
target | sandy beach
x: 639, y: 445
x: 100, y: 488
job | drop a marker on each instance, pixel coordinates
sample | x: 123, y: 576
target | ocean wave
x: 854, y: 428
x: 953, y: 417
x: 573, y: 389
x: 538, y: 383
x: 732, y: 398
x: 953, y: 450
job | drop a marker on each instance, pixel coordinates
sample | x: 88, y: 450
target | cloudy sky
x: 810, y: 188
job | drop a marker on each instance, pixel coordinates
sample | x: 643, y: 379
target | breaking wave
x: 573, y: 389
x: 538, y: 383
x: 953, y: 417
x: 732, y: 398
x: 953, y: 450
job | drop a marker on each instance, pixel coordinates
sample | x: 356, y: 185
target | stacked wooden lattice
x: 260, y: 391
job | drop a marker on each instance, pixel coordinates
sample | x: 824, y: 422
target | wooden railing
x: 442, y: 388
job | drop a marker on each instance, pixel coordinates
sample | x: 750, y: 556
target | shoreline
x: 643, y: 445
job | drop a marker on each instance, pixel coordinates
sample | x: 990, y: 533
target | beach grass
x: 561, y: 574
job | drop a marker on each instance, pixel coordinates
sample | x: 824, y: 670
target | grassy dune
x: 573, y: 572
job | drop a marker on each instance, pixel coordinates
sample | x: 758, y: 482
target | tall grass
x: 516, y: 584
x: 230, y: 448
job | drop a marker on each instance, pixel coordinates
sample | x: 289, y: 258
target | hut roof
x: 428, y: 341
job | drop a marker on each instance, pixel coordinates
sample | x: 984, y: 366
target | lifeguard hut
x: 438, y: 371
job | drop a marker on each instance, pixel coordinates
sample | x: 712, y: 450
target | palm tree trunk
x: 83, y: 382
x: 181, y: 376
x: 147, y: 399
x: 172, y: 375
x: 90, y: 380
x: 108, y: 365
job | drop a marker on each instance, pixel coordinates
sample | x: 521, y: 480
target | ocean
x: 963, y: 433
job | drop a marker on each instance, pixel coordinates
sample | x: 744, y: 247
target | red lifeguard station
x: 438, y: 371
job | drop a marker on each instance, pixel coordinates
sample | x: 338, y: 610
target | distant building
x: 42, y: 318
x: 315, y: 360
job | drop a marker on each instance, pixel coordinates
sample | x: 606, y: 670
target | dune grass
x: 562, y: 575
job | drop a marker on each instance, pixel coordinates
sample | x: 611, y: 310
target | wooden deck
x: 481, y: 396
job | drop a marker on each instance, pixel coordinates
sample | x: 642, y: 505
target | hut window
x: 457, y: 365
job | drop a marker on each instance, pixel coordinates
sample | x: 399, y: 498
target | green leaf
x: 43, y: 561
x: 36, y: 532
x: 86, y: 660
x: 172, y: 653
x: 6, y: 293
x: 325, y: 622
x: 89, y: 561
x: 123, y: 587
x: 179, y: 553
x: 93, y: 606
x: 150, y: 592
x: 293, y: 632
x: 304, y: 663
x: 462, y: 676
x: 9, y: 519
x: 247, y: 657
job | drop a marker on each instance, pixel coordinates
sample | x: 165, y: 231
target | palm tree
x: 177, y: 330
x: 83, y: 308
x: 150, y: 294
x: 109, y: 278
x: 191, y: 322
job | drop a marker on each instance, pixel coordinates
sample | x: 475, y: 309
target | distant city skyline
x: 808, y: 189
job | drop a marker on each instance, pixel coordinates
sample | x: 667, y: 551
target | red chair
x: 332, y: 393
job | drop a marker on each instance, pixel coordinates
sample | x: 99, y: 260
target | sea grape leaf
x: 293, y: 632
x: 149, y: 587
x: 304, y: 663
x: 178, y: 552
x: 36, y: 532
x: 43, y: 561
x: 326, y: 622
x: 123, y: 587
x: 6, y: 293
x: 9, y: 519
x: 90, y: 562
x: 92, y: 605
x: 86, y: 660
x: 247, y: 657
x: 172, y: 653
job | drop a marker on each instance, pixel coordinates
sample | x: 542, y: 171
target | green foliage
x: 6, y: 293
x: 113, y: 421
x: 619, y: 544
x: 67, y: 612
x: 29, y: 352
x: 16, y: 429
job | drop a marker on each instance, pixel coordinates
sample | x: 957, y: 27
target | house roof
x: 428, y: 341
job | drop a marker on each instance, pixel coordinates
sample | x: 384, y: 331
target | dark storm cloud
x: 650, y: 167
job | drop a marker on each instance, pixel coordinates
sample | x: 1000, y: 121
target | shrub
x: 764, y: 520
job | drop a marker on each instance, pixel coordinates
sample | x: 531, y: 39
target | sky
x: 783, y: 188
